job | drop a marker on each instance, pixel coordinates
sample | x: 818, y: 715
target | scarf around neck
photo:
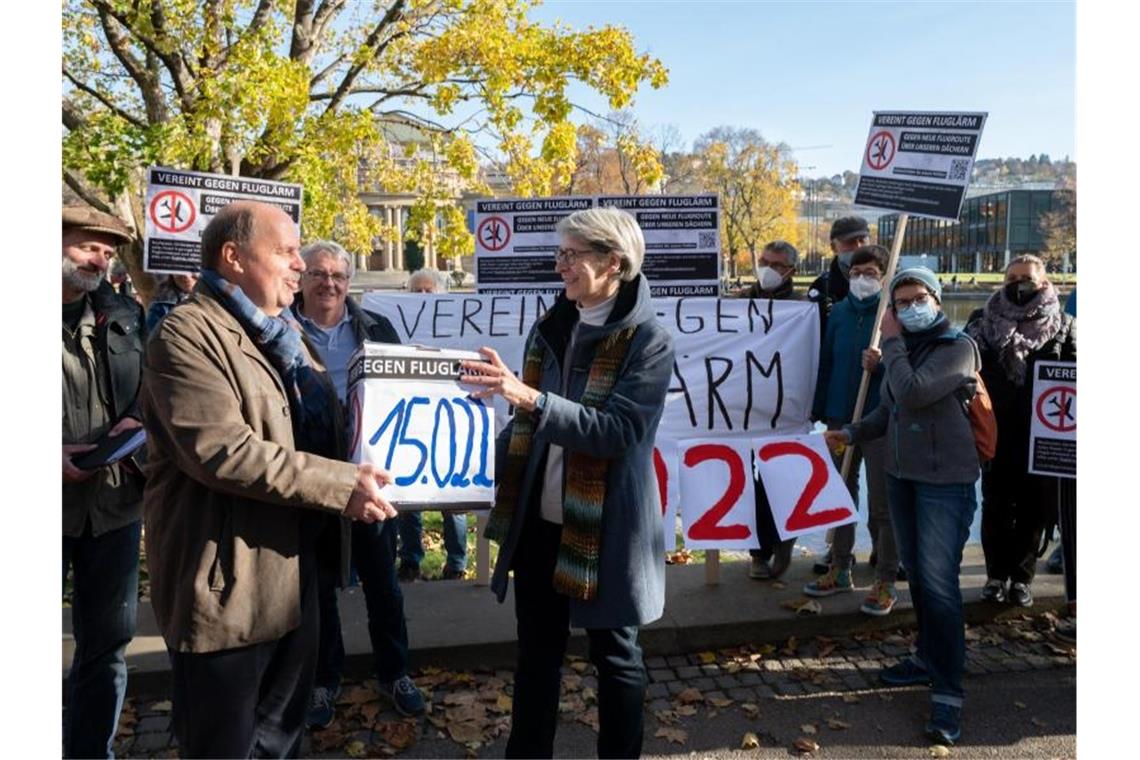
x: 279, y: 340
x: 1014, y: 332
x: 576, y: 571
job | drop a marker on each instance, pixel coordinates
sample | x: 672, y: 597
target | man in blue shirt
x: 336, y: 326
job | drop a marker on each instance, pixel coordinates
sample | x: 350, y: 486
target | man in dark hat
x: 847, y: 234
x: 102, y: 506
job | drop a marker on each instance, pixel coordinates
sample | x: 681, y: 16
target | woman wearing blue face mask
x: 932, y: 466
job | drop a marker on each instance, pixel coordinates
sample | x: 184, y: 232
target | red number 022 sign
x: 718, y: 496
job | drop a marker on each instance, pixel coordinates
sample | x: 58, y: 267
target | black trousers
x: 543, y: 617
x: 1016, y: 510
x: 1067, y: 519
x: 249, y: 701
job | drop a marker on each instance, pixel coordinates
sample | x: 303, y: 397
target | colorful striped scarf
x: 576, y: 573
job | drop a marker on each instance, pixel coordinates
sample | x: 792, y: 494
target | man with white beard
x: 102, y: 507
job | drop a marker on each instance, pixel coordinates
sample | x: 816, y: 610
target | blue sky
x: 810, y: 74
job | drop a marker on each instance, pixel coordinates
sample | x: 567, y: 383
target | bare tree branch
x: 174, y: 63
x: 86, y: 192
x: 115, y: 109
x: 72, y: 118
x: 145, y: 75
x: 320, y: 75
x: 376, y: 43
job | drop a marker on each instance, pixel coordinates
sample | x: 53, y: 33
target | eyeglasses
x: 901, y: 304
x: 571, y: 256
x: 779, y: 266
x: 336, y: 277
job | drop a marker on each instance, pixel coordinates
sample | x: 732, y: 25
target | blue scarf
x: 311, y: 399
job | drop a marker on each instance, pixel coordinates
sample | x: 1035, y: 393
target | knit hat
x: 922, y: 276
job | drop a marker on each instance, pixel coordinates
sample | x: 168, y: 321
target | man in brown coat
x: 245, y: 437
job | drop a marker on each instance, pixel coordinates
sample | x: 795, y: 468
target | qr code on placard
x: 958, y: 169
x: 706, y: 240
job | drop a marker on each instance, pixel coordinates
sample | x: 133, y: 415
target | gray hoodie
x: 921, y: 412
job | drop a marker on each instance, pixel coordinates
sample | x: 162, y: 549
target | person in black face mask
x: 1020, y: 325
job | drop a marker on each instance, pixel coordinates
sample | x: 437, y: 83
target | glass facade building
x: 990, y: 230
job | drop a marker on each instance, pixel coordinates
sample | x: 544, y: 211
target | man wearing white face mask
x: 848, y: 234
x: 842, y: 358
x: 776, y: 267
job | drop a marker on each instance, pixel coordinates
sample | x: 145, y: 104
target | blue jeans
x: 454, y: 539
x: 374, y: 556
x: 104, y: 610
x: 931, y: 523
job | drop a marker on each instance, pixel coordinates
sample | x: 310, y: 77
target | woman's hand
x: 890, y: 326
x: 497, y: 378
x: 871, y: 358
x: 836, y: 440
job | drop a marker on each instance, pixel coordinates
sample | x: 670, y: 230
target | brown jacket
x: 224, y: 484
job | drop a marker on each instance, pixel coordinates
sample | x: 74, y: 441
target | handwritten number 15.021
x: 456, y: 474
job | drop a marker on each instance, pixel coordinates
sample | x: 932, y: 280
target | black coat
x: 1013, y: 404
x: 120, y: 335
x: 826, y: 290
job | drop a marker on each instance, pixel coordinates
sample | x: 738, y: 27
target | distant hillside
x: 989, y: 174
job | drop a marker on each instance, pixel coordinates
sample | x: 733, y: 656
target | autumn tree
x: 757, y: 186
x: 1059, y: 230
x: 616, y: 157
x: 294, y: 89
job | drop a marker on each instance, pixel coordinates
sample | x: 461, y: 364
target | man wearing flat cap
x: 102, y: 507
x: 847, y: 234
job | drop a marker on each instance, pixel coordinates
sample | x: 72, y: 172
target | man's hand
x: 71, y: 473
x: 871, y: 358
x: 127, y: 423
x: 366, y: 502
x: 497, y: 378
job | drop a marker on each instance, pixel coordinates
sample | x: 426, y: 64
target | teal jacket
x: 841, y: 360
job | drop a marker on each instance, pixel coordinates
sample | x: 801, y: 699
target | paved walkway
x: 1021, y: 700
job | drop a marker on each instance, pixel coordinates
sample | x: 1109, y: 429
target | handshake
x: 366, y: 503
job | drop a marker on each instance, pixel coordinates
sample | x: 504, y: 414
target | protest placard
x: 411, y: 416
x: 179, y: 205
x: 803, y: 486
x: 515, y: 242
x: 1053, y: 425
x: 919, y: 162
x: 682, y: 241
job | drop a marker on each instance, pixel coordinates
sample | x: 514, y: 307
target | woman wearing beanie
x: 1020, y: 325
x: 932, y: 467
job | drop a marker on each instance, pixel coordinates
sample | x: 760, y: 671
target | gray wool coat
x: 631, y: 571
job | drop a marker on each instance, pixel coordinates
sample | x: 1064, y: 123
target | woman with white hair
x: 577, y: 514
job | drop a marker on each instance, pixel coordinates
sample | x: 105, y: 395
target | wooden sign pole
x: 876, y: 334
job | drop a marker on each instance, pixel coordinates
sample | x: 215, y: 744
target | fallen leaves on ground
x: 707, y: 658
x: 674, y: 735
x: 720, y: 702
x: 326, y: 740
x: 750, y: 741
x: 1038, y: 722
x: 851, y: 699
x: 355, y: 749
x: 805, y: 745
x: 1019, y: 705
x: 685, y: 711
x: 590, y: 718
x: 689, y: 696
x: 465, y: 733
x: 809, y: 728
x: 802, y: 606
x: 750, y: 709
x: 778, y: 585
x: 835, y: 724
x: 789, y: 649
x: 939, y: 750
x: 502, y: 704
x: 399, y: 734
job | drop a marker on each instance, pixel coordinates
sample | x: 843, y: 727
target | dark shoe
x: 1066, y: 631
x: 404, y: 695
x: 1020, y: 595
x: 322, y: 707
x: 1055, y: 565
x: 823, y: 565
x: 901, y: 575
x: 904, y: 673
x: 758, y: 569
x: 451, y: 574
x: 993, y: 591
x: 408, y: 572
x: 783, y: 557
x: 873, y: 560
x: 945, y: 724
